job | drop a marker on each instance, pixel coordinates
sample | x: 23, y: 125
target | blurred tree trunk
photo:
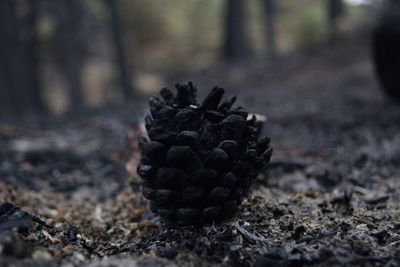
x: 18, y: 67
x: 335, y: 12
x: 270, y: 33
x: 69, y: 13
x: 5, y: 91
x: 235, y: 38
x: 7, y: 47
x: 31, y: 49
x: 121, y: 59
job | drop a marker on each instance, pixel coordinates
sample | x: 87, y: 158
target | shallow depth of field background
x: 68, y: 55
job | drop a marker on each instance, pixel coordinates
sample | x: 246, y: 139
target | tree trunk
x: 19, y: 88
x: 6, y: 46
x: 335, y: 12
x: 125, y: 75
x: 235, y: 38
x: 69, y: 13
x: 5, y: 90
x: 270, y: 33
x: 31, y: 49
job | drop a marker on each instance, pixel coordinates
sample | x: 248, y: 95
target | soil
x: 330, y: 196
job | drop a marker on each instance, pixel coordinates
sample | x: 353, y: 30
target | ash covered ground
x: 330, y: 196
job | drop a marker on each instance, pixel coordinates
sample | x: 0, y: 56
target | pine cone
x: 201, y: 158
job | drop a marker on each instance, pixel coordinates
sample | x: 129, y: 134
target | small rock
x: 169, y: 253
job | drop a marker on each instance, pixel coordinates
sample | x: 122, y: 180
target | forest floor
x: 330, y: 197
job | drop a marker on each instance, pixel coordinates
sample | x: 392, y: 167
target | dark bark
x: 31, y: 48
x: 235, y: 39
x: 125, y: 74
x: 385, y: 50
x: 335, y: 12
x: 69, y: 13
x: 270, y: 31
x: 18, y: 68
x: 6, y: 88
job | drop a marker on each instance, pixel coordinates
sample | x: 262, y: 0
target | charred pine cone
x: 201, y: 158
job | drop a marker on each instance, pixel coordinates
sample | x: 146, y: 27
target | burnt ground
x: 330, y: 196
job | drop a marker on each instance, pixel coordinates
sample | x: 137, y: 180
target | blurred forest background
x: 62, y: 55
